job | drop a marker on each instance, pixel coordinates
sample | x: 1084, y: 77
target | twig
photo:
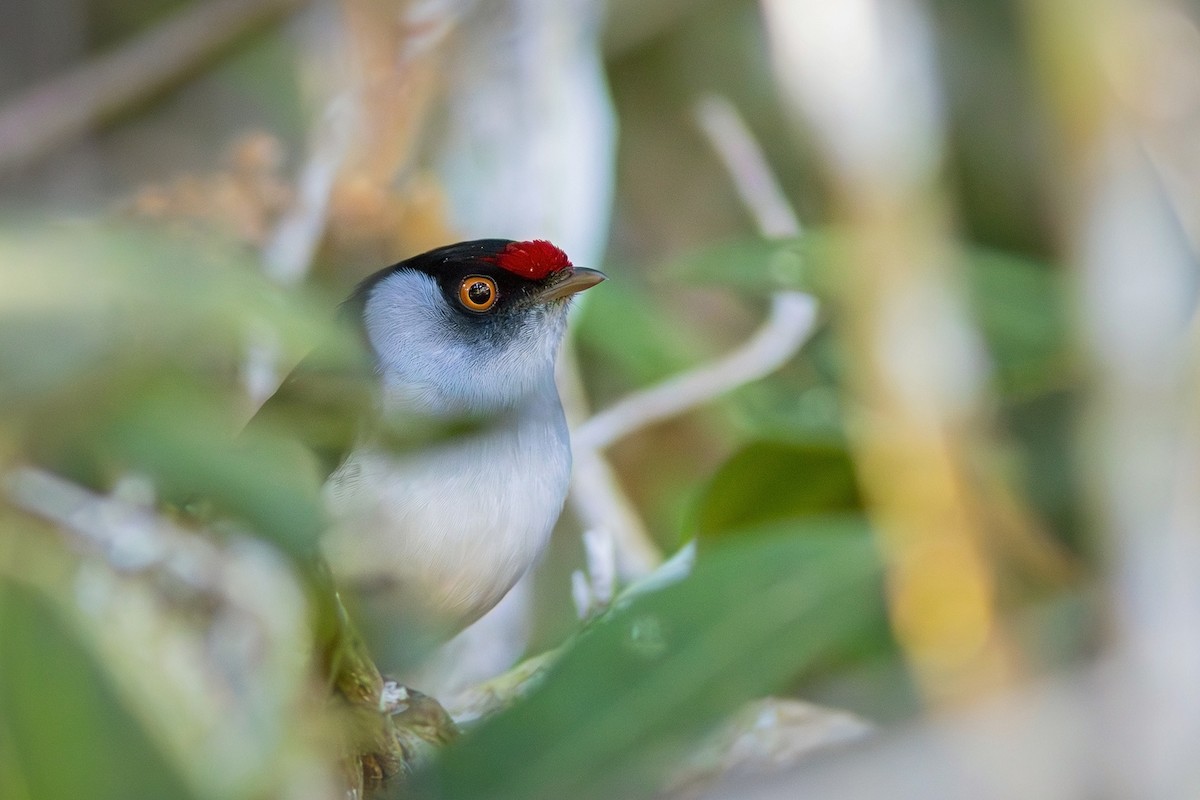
x: 201, y: 638
x: 1040, y: 743
x: 1140, y: 440
x: 128, y: 537
x: 765, y: 737
x: 484, y: 699
x: 788, y: 325
x: 747, y: 165
x: 597, y: 498
x: 64, y: 107
x: 593, y: 589
x: 289, y: 254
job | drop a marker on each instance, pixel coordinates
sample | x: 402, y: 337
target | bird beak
x: 576, y: 280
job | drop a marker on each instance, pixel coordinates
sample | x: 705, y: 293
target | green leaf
x: 1020, y: 307
x: 64, y: 731
x: 757, y: 265
x: 112, y: 298
x: 624, y: 702
x: 1018, y: 303
x: 119, y: 351
x: 768, y: 482
x: 621, y: 325
x: 187, y: 445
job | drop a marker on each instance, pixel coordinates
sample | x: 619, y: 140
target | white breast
x: 453, y: 527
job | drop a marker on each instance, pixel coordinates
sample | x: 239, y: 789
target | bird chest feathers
x: 453, y: 526
x: 429, y: 526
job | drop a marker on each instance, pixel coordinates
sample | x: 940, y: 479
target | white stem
x: 289, y: 254
x: 597, y: 498
x: 791, y: 320
x: 739, y: 151
x: 788, y: 326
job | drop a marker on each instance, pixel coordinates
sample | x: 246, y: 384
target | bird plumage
x: 460, y: 347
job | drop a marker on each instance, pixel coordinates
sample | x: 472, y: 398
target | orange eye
x: 478, y: 293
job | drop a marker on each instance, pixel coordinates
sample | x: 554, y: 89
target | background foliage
x: 929, y: 506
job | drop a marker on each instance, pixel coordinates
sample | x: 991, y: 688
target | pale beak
x: 576, y: 280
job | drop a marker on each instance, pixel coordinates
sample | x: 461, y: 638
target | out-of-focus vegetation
x: 976, y: 475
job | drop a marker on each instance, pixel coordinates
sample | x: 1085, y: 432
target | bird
x: 444, y: 448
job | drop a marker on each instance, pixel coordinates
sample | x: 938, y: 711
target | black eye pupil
x: 480, y: 293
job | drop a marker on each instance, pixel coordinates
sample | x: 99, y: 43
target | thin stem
x: 67, y: 106
x: 788, y: 326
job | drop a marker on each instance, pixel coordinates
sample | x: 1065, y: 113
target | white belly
x: 454, y: 527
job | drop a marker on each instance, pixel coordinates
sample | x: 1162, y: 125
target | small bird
x: 461, y: 343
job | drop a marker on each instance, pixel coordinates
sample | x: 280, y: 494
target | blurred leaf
x: 183, y: 437
x: 1020, y: 306
x: 186, y: 444
x: 622, y: 704
x: 771, y: 482
x: 108, y: 298
x: 63, y: 730
x: 621, y: 325
x: 147, y: 333
x: 1018, y: 303
x: 760, y: 265
x: 799, y: 403
x: 1046, y: 427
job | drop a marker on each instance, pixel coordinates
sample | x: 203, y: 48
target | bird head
x: 472, y: 327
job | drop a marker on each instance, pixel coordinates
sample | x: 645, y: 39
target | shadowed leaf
x: 773, y: 481
x: 64, y: 732
x: 622, y: 704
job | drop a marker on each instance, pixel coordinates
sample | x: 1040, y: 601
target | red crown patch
x: 534, y: 259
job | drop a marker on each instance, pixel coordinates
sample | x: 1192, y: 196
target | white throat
x: 454, y: 525
x: 433, y: 361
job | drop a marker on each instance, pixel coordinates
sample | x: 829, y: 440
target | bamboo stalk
x: 860, y: 73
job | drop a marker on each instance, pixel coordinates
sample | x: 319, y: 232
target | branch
x: 763, y: 738
x: 62, y: 108
x: 204, y: 639
x: 596, y: 497
x: 288, y: 255
x: 289, y: 252
x: 788, y: 326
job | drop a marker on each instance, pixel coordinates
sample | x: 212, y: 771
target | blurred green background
x: 131, y: 280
